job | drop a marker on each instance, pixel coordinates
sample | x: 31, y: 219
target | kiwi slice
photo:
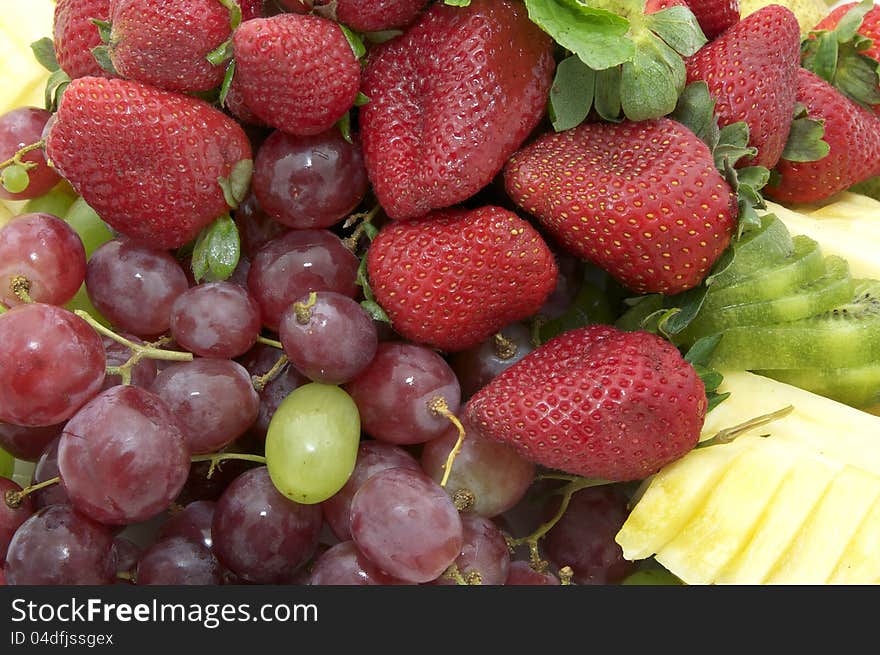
x: 847, y: 336
x: 858, y: 386
x: 758, y: 250
x: 804, y: 265
x: 824, y: 293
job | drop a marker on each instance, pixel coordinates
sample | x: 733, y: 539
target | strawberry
x: 596, y: 402
x: 150, y: 162
x: 853, y: 133
x: 653, y: 6
x: 377, y: 15
x: 75, y: 35
x: 450, y: 100
x: 715, y: 16
x: 296, y: 73
x: 455, y: 277
x: 643, y: 200
x: 870, y: 27
x: 166, y: 42
x: 751, y: 71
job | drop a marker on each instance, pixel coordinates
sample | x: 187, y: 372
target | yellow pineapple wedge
x: 808, y: 12
x: 762, y: 509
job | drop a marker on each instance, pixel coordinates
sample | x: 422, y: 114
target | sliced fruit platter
x: 540, y: 292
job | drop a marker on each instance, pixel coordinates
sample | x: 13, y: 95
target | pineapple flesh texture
x: 790, y: 502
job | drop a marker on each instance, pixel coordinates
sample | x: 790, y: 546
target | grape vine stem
x: 260, y: 381
x: 270, y: 342
x: 16, y: 158
x: 439, y: 407
x: 13, y: 498
x: 216, y: 458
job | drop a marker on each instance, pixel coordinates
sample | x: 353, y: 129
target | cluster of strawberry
x: 456, y: 98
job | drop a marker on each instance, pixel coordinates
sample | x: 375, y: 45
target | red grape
x: 142, y: 374
x: 47, y: 253
x: 344, y: 564
x: 46, y: 469
x: 51, y: 363
x: 19, y: 128
x: 521, y: 573
x: 26, y: 443
x: 475, y: 367
x: 394, y: 392
x: 406, y: 524
x: 483, y: 552
x: 192, y: 522
x: 11, y: 516
x: 178, y: 561
x: 216, y: 319
x: 255, y: 227
x: 60, y: 546
x: 123, y: 458
x: 258, y: 361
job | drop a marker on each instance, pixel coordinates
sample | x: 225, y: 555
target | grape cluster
x: 262, y: 429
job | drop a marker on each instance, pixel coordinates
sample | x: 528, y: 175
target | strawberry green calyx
x: 235, y: 187
x: 223, y: 52
x: 217, y: 251
x: 805, y: 142
x: 644, y: 51
x: 838, y: 57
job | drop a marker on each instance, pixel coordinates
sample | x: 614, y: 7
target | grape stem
x: 138, y: 351
x: 504, y: 347
x: 575, y: 484
x: 566, y: 573
x: 729, y: 434
x: 351, y: 241
x: 439, y: 407
x: 16, y: 158
x: 260, y: 381
x: 21, y: 287
x: 216, y: 458
x: 13, y: 498
x: 270, y: 342
x: 302, y: 309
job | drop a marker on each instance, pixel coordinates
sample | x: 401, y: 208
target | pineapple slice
x: 813, y: 554
x: 858, y: 562
x: 808, y: 12
x: 706, y: 518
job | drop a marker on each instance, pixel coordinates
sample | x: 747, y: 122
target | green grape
x: 88, y: 225
x: 312, y: 442
x: 7, y: 464
x: 15, y: 178
x: 82, y: 301
x: 56, y: 201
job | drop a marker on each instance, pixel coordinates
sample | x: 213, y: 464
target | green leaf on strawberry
x: 679, y: 28
x: 652, y: 81
x: 44, y: 53
x: 216, y: 251
x: 571, y: 95
x: 235, y: 187
x: 805, y: 141
x: 837, y: 56
x: 355, y: 41
x: 55, y: 86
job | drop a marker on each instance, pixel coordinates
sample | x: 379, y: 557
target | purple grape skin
x: 335, y: 343
x: 142, y: 374
x: 404, y: 522
x: 46, y: 469
x: 520, y: 573
x: 21, y: 127
x: 258, y: 361
x: 213, y: 400
x: 308, y: 182
x: 372, y: 457
x: 11, y: 517
x: 483, y: 551
x: 216, y: 319
x: 51, y: 363
x: 393, y: 393
x: 260, y: 535
x: 26, y: 443
x: 344, y: 564
x: 496, y: 475
x: 477, y: 366
x: 60, y: 546
x: 193, y: 522
x: 178, y: 561
x: 123, y: 458
x: 135, y: 286
x: 255, y: 227
x: 47, y: 252
x: 295, y: 263
x: 127, y: 554
x: 584, y: 537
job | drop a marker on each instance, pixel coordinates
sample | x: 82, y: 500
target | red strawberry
x: 455, y: 277
x: 853, y: 133
x: 870, y: 27
x: 297, y: 73
x: 653, y: 6
x: 377, y: 15
x: 596, y: 402
x: 148, y: 161
x: 450, y: 100
x: 75, y: 35
x: 166, y: 42
x: 642, y: 200
x: 715, y: 16
x: 751, y: 71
